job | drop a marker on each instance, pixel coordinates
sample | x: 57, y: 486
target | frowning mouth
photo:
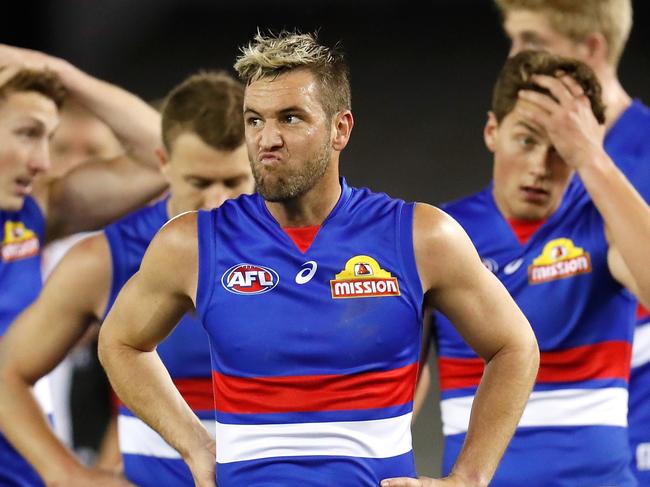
x: 534, y: 194
x: 23, y: 186
x: 269, y: 158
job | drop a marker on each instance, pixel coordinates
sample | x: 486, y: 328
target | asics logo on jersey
x: 249, y: 279
x: 305, y: 275
x: 512, y: 267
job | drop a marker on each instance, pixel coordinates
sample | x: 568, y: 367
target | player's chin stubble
x: 276, y: 187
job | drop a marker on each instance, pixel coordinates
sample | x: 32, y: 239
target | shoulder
x: 442, y: 248
x: 171, y: 261
x: 88, y: 257
x: 179, y: 233
x: 174, y: 246
x: 433, y: 226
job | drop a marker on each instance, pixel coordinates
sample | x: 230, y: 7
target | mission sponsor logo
x: 18, y: 242
x: 249, y: 279
x: 559, y: 259
x: 363, y: 278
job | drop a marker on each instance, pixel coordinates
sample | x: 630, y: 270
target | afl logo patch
x: 249, y: 279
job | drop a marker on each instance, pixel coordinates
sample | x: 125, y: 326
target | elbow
x: 103, y: 348
x: 521, y: 354
x: 530, y: 354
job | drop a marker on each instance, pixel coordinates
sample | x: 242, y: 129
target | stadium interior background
x: 421, y: 74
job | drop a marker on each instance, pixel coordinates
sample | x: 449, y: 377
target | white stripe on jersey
x: 641, y: 345
x: 563, y: 407
x: 380, y: 438
x: 137, y: 438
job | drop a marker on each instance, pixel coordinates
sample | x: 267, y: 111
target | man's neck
x: 310, y: 208
x: 615, y: 98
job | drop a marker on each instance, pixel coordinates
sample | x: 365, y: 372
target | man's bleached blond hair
x: 270, y: 55
x: 576, y: 19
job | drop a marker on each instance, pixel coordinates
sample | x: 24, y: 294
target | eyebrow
x: 283, y: 111
x: 530, y: 36
x: 32, y: 119
x: 529, y: 127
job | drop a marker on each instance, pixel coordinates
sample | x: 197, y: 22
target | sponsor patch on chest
x: 249, y: 279
x: 560, y: 259
x: 363, y: 277
x: 18, y: 242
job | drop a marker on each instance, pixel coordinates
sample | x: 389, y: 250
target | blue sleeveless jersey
x: 22, y: 234
x: 573, y: 430
x: 315, y: 354
x: 628, y: 144
x: 148, y: 459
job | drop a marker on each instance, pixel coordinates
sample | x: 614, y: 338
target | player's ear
x: 596, y: 49
x: 490, y: 131
x: 342, y: 124
x: 163, y: 160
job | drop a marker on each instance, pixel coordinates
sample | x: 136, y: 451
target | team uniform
x: 22, y: 234
x: 573, y: 431
x: 628, y: 144
x: 148, y: 459
x: 315, y: 353
x: 639, y: 415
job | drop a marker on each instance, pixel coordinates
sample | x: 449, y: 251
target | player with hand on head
x: 34, y: 210
x: 568, y: 262
x: 205, y: 162
x: 595, y: 32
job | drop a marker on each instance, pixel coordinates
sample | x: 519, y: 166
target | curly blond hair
x: 271, y: 55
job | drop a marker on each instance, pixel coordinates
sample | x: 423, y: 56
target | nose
x: 539, y: 163
x: 270, y: 137
x: 39, y: 160
x: 216, y: 196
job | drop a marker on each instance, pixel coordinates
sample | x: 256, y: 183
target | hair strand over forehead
x: 271, y: 55
x: 517, y: 73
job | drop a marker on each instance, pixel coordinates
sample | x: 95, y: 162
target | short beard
x: 297, y: 184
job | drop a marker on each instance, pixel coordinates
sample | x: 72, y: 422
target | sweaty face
x: 80, y: 137
x: 531, y: 30
x: 27, y: 120
x: 288, y: 135
x: 201, y: 177
x: 530, y: 177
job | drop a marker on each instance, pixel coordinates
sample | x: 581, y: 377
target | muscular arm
x: 627, y: 218
x: 146, y: 311
x: 488, y: 319
x: 98, y: 192
x: 73, y: 297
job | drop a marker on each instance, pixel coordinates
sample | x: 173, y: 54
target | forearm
x: 626, y: 216
x: 22, y: 421
x: 497, y: 408
x: 136, y: 124
x: 141, y: 381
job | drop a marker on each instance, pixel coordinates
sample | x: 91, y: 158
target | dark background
x: 422, y: 74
